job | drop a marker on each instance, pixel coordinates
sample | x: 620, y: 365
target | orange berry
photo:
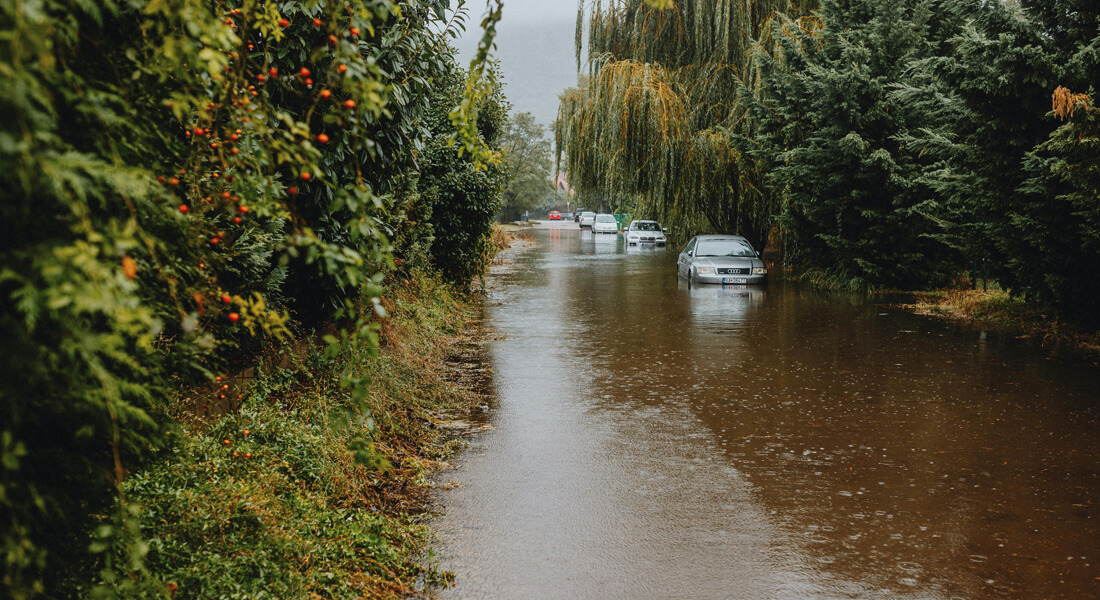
x: 306, y: 175
x: 246, y: 432
x: 355, y: 31
x: 283, y: 22
x: 227, y: 299
x: 273, y: 72
x: 342, y: 68
x: 174, y: 181
x: 242, y: 208
x: 226, y: 442
x: 184, y: 208
x: 292, y: 190
x: 322, y: 138
x: 234, y: 317
x: 316, y: 22
x: 349, y: 103
x: 304, y: 72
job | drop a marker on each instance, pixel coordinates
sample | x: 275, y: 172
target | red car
x: 555, y: 215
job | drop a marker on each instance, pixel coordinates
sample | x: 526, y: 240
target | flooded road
x: 656, y: 441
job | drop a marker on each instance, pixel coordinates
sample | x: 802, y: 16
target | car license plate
x: 734, y: 280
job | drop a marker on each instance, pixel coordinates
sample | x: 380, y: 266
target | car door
x: 683, y: 263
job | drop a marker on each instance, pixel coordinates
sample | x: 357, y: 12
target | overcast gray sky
x: 535, y: 49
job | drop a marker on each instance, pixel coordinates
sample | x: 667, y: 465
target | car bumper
x: 730, y: 279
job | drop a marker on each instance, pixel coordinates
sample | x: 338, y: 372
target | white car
x: 645, y: 233
x: 604, y: 223
x: 586, y: 219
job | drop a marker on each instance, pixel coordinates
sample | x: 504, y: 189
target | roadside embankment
x: 269, y: 501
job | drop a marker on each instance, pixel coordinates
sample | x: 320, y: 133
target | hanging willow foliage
x: 655, y: 123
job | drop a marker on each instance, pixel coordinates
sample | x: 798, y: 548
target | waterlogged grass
x: 994, y: 306
x: 268, y: 502
x: 1002, y: 310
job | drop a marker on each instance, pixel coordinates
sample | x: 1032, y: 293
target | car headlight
x: 704, y: 270
x: 759, y: 271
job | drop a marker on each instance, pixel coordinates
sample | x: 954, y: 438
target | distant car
x: 587, y: 218
x: 555, y: 215
x: 722, y: 259
x: 577, y: 215
x: 605, y: 223
x: 645, y: 233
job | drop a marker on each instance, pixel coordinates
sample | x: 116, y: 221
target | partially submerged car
x: 604, y: 223
x: 721, y: 259
x: 555, y: 215
x: 587, y: 218
x: 645, y: 233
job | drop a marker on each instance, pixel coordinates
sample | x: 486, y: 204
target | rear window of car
x: 587, y: 214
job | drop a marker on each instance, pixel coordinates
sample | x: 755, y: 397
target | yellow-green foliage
x: 654, y: 123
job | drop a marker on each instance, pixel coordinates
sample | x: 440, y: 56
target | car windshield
x: 645, y: 226
x: 605, y: 219
x: 724, y: 248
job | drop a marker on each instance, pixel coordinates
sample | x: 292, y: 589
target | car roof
x: 720, y: 236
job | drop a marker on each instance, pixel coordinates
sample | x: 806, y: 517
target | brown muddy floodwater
x: 656, y: 441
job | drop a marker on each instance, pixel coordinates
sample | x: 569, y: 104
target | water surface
x: 658, y: 441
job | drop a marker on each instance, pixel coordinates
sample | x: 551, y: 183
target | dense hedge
x: 182, y: 181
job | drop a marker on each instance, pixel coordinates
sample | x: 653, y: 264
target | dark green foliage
x: 828, y: 128
x: 983, y: 102
x: 464, y: 198
x: 1061, y: 242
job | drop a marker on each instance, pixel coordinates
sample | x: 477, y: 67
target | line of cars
x: 719, y: 259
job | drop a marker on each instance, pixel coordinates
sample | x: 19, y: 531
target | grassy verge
x: 268, y: 501
x: 1001, y: 310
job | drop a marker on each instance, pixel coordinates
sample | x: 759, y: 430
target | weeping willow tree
x: 654, y: 123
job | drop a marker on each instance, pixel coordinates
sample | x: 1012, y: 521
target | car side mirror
x: 691, y: 253
x: 757, y: 254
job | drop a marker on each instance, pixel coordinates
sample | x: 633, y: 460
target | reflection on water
x: 655, y: 440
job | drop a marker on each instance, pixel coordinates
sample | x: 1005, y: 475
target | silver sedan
x: 722, y: 259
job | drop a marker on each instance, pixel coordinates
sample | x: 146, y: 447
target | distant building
x: 563, y: 185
